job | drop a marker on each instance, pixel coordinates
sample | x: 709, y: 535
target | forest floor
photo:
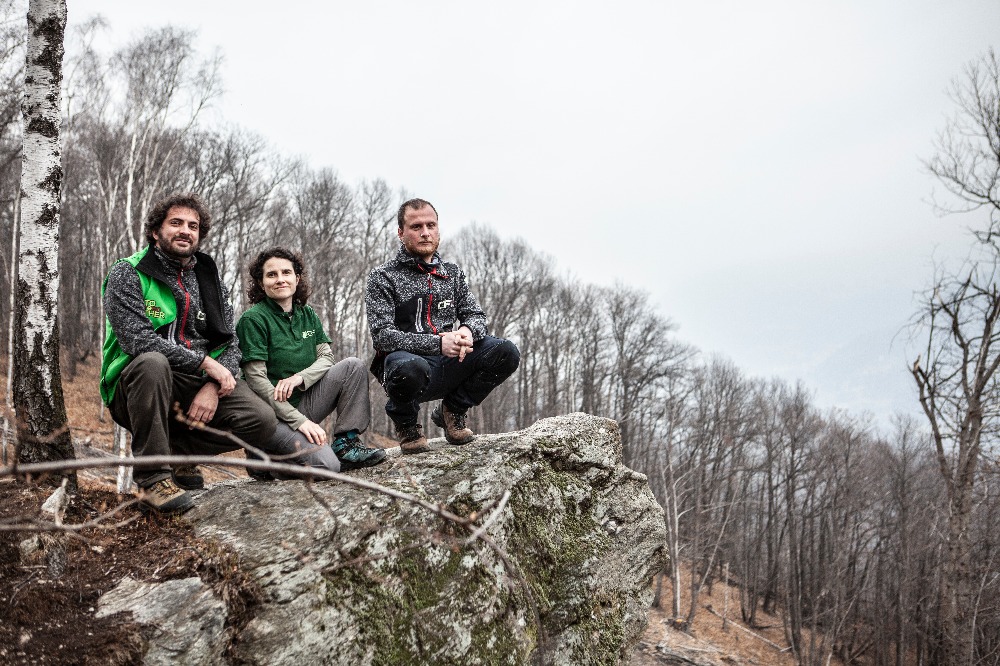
x: 712, y: 639
x: 48, y: 599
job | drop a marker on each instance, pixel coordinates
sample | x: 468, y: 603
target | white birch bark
x: 8, y: 429
x: 43, y: 433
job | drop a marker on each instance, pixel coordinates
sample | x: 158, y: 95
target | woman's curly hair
x: 255, y: 292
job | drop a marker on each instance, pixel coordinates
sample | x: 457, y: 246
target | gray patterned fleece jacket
x: 409, y: 303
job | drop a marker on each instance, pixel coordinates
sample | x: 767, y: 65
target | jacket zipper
x: 187, y: 307
x: 430, y: 300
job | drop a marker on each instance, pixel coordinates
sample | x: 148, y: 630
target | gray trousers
x: 143, y: 405
x: 344, y: 388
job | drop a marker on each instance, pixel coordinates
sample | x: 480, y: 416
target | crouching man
x: 430, y: 335
x: 170, y: 338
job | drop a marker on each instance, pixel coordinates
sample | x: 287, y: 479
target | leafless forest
x: 842, y: 529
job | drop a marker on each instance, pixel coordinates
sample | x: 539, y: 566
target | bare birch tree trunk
x: 8, y: 426
x: 42, y: 429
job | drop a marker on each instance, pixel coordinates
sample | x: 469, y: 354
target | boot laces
x: 411, y: 432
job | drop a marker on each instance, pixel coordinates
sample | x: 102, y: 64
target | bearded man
x: 170, y: 339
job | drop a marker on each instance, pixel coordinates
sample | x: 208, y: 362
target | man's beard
x: 172, y: 250
x: 422, y: 250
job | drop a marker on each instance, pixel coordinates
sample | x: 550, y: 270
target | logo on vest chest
x: 153, y: 311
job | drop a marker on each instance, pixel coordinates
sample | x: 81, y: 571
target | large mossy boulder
x: 352, y: 576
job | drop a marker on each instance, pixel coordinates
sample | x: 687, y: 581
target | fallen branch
x: 298, y: 471
x: 489, y: 521
x: 40, y: 525
x: 741, y: 628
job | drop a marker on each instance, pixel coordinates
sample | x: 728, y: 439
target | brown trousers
x: 144, y: 405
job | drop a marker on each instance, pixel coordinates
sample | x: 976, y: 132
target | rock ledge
x: 368, y: 579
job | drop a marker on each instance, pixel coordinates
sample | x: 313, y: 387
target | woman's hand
x: 313, y: 432
x: 283, y: 389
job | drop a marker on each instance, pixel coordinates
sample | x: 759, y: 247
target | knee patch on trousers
x: 153, y: 363
x: 504, y: 359
x: 408, y: 379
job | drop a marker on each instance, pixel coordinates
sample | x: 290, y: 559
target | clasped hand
x: 220, y: 374
x: 203, y: 405
x: 456, y: 343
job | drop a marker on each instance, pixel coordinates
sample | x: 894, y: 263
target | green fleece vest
x: 161, y: 309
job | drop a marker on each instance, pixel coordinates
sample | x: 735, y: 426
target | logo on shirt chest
x: 308, y: 334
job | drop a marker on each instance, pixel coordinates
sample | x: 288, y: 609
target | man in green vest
x: 170, y: 338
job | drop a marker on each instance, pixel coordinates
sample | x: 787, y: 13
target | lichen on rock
x: 383, y: 581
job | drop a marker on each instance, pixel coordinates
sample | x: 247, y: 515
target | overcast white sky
x: 754, y: 166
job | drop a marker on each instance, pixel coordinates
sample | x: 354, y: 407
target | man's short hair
x: 412, y: 204
x: 158, y: 213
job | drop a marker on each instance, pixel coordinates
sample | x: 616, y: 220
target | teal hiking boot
x: 353, y: 454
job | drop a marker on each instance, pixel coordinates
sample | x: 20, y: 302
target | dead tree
x: 957, y: 380
x: 957, y: 375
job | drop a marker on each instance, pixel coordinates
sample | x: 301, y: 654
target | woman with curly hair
x: 288, y: 362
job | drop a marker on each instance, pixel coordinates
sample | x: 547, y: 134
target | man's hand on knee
x: 205, y: 402
x: 220, y: 375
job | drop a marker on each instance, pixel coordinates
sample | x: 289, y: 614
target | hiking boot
x: 352, y: 454
x: 258, y: 474
x: 164, y: 497
x: 411, y: 439
x: 187, y: 477
x: 453, y: 424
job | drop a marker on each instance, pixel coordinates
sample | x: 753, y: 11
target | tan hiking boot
x: 164, y: 497
x: 411, y: 439
x: 453, y: 424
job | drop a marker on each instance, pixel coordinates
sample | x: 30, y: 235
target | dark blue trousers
x: 410, y: 379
